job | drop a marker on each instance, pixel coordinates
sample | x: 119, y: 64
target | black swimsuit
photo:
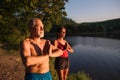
x: 62, y: 62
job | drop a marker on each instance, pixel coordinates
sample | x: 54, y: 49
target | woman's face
x: 62, y: 33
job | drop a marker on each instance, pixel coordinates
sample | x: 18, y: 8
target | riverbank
x: 11, y: 67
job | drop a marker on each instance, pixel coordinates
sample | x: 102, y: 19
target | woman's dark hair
x: 60, y: 29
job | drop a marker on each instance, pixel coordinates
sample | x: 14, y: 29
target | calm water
x: 99, y: 57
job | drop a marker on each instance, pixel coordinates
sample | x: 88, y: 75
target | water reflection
x: 99, y: 57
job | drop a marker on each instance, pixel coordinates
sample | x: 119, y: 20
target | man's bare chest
x: 36, y: 49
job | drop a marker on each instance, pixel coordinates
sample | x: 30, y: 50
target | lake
x: 98, y: 57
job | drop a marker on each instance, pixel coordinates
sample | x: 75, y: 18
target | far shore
x: 112, y: 35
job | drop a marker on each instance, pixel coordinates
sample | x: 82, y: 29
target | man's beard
x: 41, y: 35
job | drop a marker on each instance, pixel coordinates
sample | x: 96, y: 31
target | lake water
x: 98, y: 57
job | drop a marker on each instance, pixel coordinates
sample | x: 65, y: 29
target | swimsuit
x: 62, y: 62
x: 38, y: 76
x: 63, y: 47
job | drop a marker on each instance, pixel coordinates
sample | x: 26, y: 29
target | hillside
x: 109, y: 29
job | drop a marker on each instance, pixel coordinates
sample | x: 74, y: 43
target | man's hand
x: 46, y: 49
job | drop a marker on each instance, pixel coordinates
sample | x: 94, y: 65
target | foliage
x: 110, y: 28
x: 79, y: 76
x: 14, y: 15
x: 68, y: 23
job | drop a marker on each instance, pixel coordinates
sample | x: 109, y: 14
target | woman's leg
x: 60, y: 74
x: 65, y: 73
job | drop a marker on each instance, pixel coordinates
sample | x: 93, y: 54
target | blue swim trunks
x: 37, y: 76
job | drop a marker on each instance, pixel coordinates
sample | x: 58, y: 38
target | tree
x: 14, y: 15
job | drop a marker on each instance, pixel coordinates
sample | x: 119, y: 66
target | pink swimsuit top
x: 63, y: 47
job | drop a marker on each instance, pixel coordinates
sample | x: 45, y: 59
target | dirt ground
x: 11, y: 67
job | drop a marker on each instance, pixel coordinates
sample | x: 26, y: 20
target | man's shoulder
x: 43, y: 40
x: 26, y: 40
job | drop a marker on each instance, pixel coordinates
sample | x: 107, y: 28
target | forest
x: 15, y: 15
x: 107, y: 29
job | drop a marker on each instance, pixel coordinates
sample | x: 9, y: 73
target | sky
x: 92, y: 10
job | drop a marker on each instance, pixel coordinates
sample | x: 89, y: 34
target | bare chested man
x: 35, y: 52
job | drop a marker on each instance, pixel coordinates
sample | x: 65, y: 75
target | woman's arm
x: 69, y: 48
x: 55, y: 52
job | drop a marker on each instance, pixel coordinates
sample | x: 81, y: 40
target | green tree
x: 14, y: 15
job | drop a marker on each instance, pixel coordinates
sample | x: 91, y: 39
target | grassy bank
x: 77, y: 76
x: 11, y: 67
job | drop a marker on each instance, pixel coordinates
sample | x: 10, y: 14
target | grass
x: 78, y: 76
x: 11, y: 67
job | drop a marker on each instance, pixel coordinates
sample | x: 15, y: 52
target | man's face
x: 38, y: 29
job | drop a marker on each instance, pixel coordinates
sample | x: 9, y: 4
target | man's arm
x: 55, y: 52
x: 26, y: 56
